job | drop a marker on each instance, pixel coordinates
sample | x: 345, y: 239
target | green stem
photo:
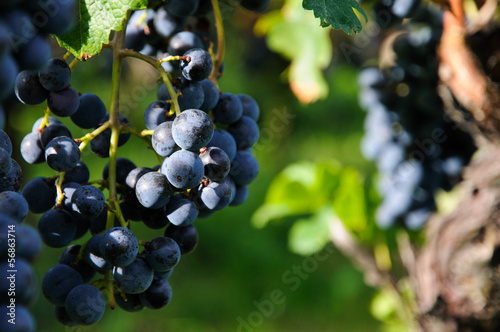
x: 85, y: 140
x: 166, y: 77
x: 108, y: 277
x: 142, y: 135
x: 221, y: 41
x: 170, y: 58
x: 73, y: 63
x: 114, y: 119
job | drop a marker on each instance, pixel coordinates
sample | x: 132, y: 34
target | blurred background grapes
x: 240, y: 277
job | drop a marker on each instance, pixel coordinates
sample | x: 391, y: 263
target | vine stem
x: 166, y: 77
x: 85, y: 140
x: 221, y: 41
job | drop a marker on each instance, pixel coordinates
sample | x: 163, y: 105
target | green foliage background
x: 237, y: 266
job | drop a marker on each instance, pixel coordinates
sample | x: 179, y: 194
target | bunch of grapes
x: 20, y: 245
x: 25, y: 26
x: 205, y: 138
x: 417, y: 148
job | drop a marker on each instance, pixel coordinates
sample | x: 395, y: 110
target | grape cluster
x: 208, y: 164
x: 20, y: 245
x: 25, y: 26
x: 417, y: 148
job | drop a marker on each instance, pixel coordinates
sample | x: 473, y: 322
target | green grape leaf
x: 349, y: 201
x: 337, y: 13
x: 309, y: 236
x: 300, y: 189
x: 285, y: 30
x: 95, y: 21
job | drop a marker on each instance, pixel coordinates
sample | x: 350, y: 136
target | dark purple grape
x: 211, y: 92
x: 93, y: 256
x: 162, y: 253
x: 13, y: 205
x: 250, y: 106
x: 53, y: 131
x: 181, y: 211
x: 191, y: 94
x: 135, y: 278
x: 57, y: 228
x: 85, y: 304
x: 32, y: 150
x: 64, y: 102
x: 153, y: 190
x: 5, y: 162
x: 90, y: 112
x: 183, y: 8
x: 196, y: 64
x: 14, y: 178
x: 132, y: 304
x: 216, y: 163
x: 245, y: 132
x: 134, y: 175
x: 216, y: 195
x: 119, y: 246
x: 184, y: 169
x: 88, y: 201
x: 166, y: 23
x: 55, y: 75
x: 28, y: 88
x: 62, y: 154
x: 244, y: 168
x: 183, y: 41
x: 156, y: 113
x: 240, y: 196
x: 154, y: 218
x: 5, y: 142
x: 70, y: 256
x: 58, y: 282
x: 192, y: 129
x: 123, y: 167
x: 40, y: 194
x: 79, y: 174
x: 29, y: 243
x: 158, y: 295
x: 228, y: 110
x: 186, y: 237
x: 162, y: 140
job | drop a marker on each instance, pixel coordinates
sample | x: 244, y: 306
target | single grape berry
x: 64, y: 102
x: 85, y: 304
x: 119, y: 246
x: 62, y: 154
x: 192, y: 129
x: 196, y: 64
x: 181, y: 211
x: 162, y: 253
x: 186, y: 237
x: 13, y: 205
x: 90, y: 111
x: 55, y: 75
x: 153, y: 190
x: 28, y: 88
x: 184, y: 169
x: 216, y: 163
x: 135, y: 278
x: 162, y: 140
x: 57, y: 228
x: 88, y: 201
x: 158, y: 295
x: 228, y: 109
